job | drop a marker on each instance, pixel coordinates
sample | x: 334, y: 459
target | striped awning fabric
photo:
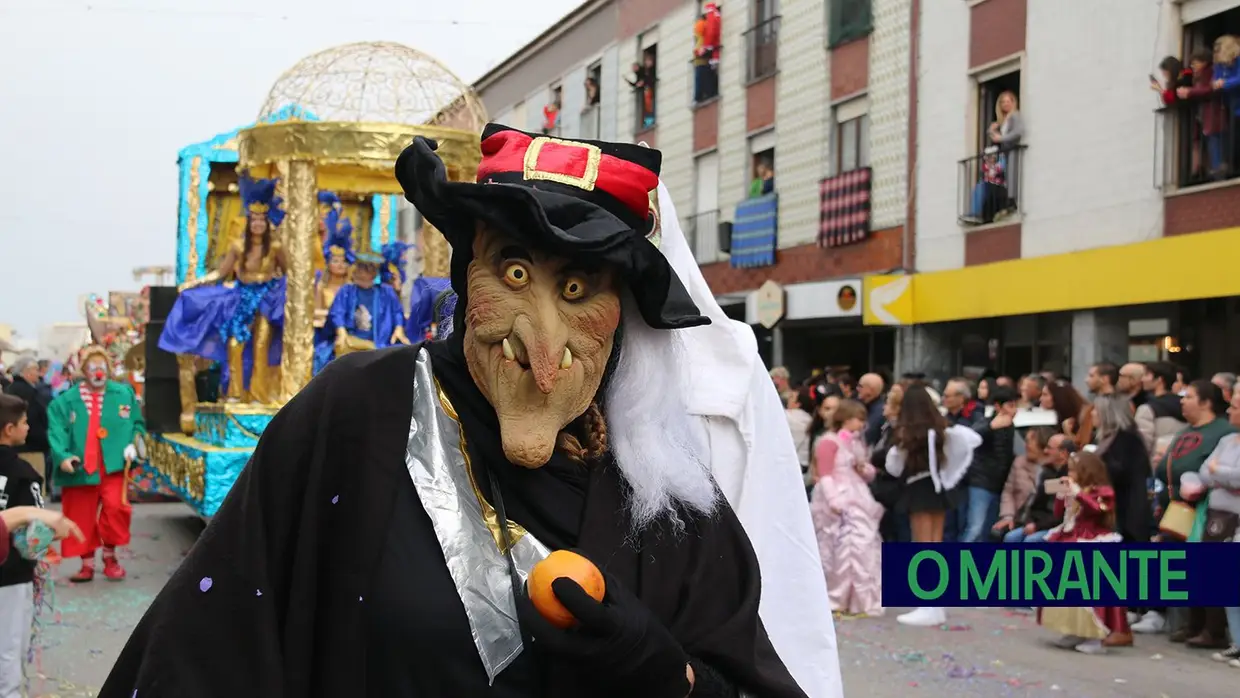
x: 844, y: 217
x: 755, y: 232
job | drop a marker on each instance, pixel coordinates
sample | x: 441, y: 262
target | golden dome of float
x: 336, y: 121
x: 377, y: 82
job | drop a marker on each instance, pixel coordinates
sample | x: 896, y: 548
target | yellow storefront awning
x: 1183, y: 267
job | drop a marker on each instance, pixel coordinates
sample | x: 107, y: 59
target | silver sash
x: 465, y: 524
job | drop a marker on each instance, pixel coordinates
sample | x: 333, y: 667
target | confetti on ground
x: 205, y: 584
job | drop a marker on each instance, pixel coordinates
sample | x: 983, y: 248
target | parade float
x: 335, y: 123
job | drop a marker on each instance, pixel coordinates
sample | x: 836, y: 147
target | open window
x: 591, y: 111
x: 645, y: 80
x: 551, y: 112
x: 594, y: 78
x: 1200, y: 139
x: 762, y: 164
x: 989, y: 181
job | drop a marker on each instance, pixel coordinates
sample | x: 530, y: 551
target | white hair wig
x: 661, y: 449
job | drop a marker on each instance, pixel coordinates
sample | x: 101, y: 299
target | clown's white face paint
x: 95, y: 373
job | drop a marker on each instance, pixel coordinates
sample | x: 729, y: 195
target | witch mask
x: 538, y: 333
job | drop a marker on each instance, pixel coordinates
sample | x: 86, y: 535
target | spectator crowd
x: 1147, y: 454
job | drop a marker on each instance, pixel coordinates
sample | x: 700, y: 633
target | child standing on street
x: 20, y: 486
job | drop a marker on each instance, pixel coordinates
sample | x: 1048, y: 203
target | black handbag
x: 1220, y: 526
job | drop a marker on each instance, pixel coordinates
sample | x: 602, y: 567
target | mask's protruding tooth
x: 508, y: 352
x: 567, y: 361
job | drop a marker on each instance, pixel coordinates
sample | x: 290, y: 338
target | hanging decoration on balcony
x: 844, y: 217
x: 706, y: 33
x: 755, y: 232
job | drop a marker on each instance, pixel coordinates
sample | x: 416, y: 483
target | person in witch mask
x: 91, y: 433
x: 752, y: 459
x: 377, y: 542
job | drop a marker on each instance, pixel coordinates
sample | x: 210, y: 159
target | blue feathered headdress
x: 329, y: 198
x: 339, y: 235
x: 393, y: 257
x: 259, y: 196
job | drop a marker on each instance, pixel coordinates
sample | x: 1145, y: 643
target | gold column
x: 300, y: 238
x: 436, y: 254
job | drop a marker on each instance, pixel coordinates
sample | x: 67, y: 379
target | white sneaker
x: 1091, y: 647
x: 1234, y: 663
x: 923, y: 617
x: 1152, y: 622
x: 1133, y: 618
x: 1227, y: 655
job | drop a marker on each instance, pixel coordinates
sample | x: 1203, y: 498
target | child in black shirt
x: 20, y: 486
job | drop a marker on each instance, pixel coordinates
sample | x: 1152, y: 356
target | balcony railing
x: 1196, y: 143
x: 591, y: 122
x: 645, y: 102
x: 702, y: 231
x: 762, y: 49
x: 989, y: 186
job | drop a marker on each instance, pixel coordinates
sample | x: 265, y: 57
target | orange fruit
x: 562, y: 563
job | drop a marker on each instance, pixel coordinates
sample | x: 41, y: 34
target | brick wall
x: 706, y: 126
x: 760, y: 105
x: 992, y: 245
x: 996, y: 30
x: 850, y: 68
x: 635, y: 16
x: 811, y: 263
x: 1200, y: 211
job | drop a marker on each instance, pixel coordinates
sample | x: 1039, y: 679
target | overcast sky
x: 97, y: 97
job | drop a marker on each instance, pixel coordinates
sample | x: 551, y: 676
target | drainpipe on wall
x: 906, y: 346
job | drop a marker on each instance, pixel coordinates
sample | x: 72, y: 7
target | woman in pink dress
x: 846, y: 517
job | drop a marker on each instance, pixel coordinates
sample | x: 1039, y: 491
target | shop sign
x: 770, y: 304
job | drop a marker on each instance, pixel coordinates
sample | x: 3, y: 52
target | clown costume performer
x: 396, y: 539
x: 91, y: 432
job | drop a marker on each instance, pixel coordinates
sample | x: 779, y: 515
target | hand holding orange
x: 563, y: 563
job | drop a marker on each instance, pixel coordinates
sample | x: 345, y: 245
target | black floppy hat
x: 585, y: 200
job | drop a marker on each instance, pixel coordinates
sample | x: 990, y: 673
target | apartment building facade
x: 787, y: 157
x: 1111, y: 206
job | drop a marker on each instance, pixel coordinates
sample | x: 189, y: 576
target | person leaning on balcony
x: 1006, y: 132
x: 1227, y: 81
x: 1174, y: 76
x: 1209, y: 112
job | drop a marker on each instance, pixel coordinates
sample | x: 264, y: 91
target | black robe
x: 271, y: 600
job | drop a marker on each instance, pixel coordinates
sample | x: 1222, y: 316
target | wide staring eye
x: 574, y: 289
x: 516, y: 274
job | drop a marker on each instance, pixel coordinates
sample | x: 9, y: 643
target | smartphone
x: 1054, y: 485
x: 1153, y: 79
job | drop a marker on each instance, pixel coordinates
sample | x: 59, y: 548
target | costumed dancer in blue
x: 393, y: 271
x: 234, y: 315
x: 338, y: 251
x: 366, y: 315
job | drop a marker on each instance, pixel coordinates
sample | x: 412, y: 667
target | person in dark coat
x: 991, y: 464
x: 26, y: 386
x: 1128, y: 464
x: 378, y: 540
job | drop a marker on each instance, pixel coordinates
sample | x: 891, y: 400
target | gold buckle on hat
x: 594, y: 158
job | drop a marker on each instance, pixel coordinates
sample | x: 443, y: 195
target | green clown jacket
x: 68, y: 418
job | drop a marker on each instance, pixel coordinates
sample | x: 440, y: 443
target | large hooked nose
x: 545, y: 338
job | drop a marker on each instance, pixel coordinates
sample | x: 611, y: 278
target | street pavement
x: 982, y: 652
